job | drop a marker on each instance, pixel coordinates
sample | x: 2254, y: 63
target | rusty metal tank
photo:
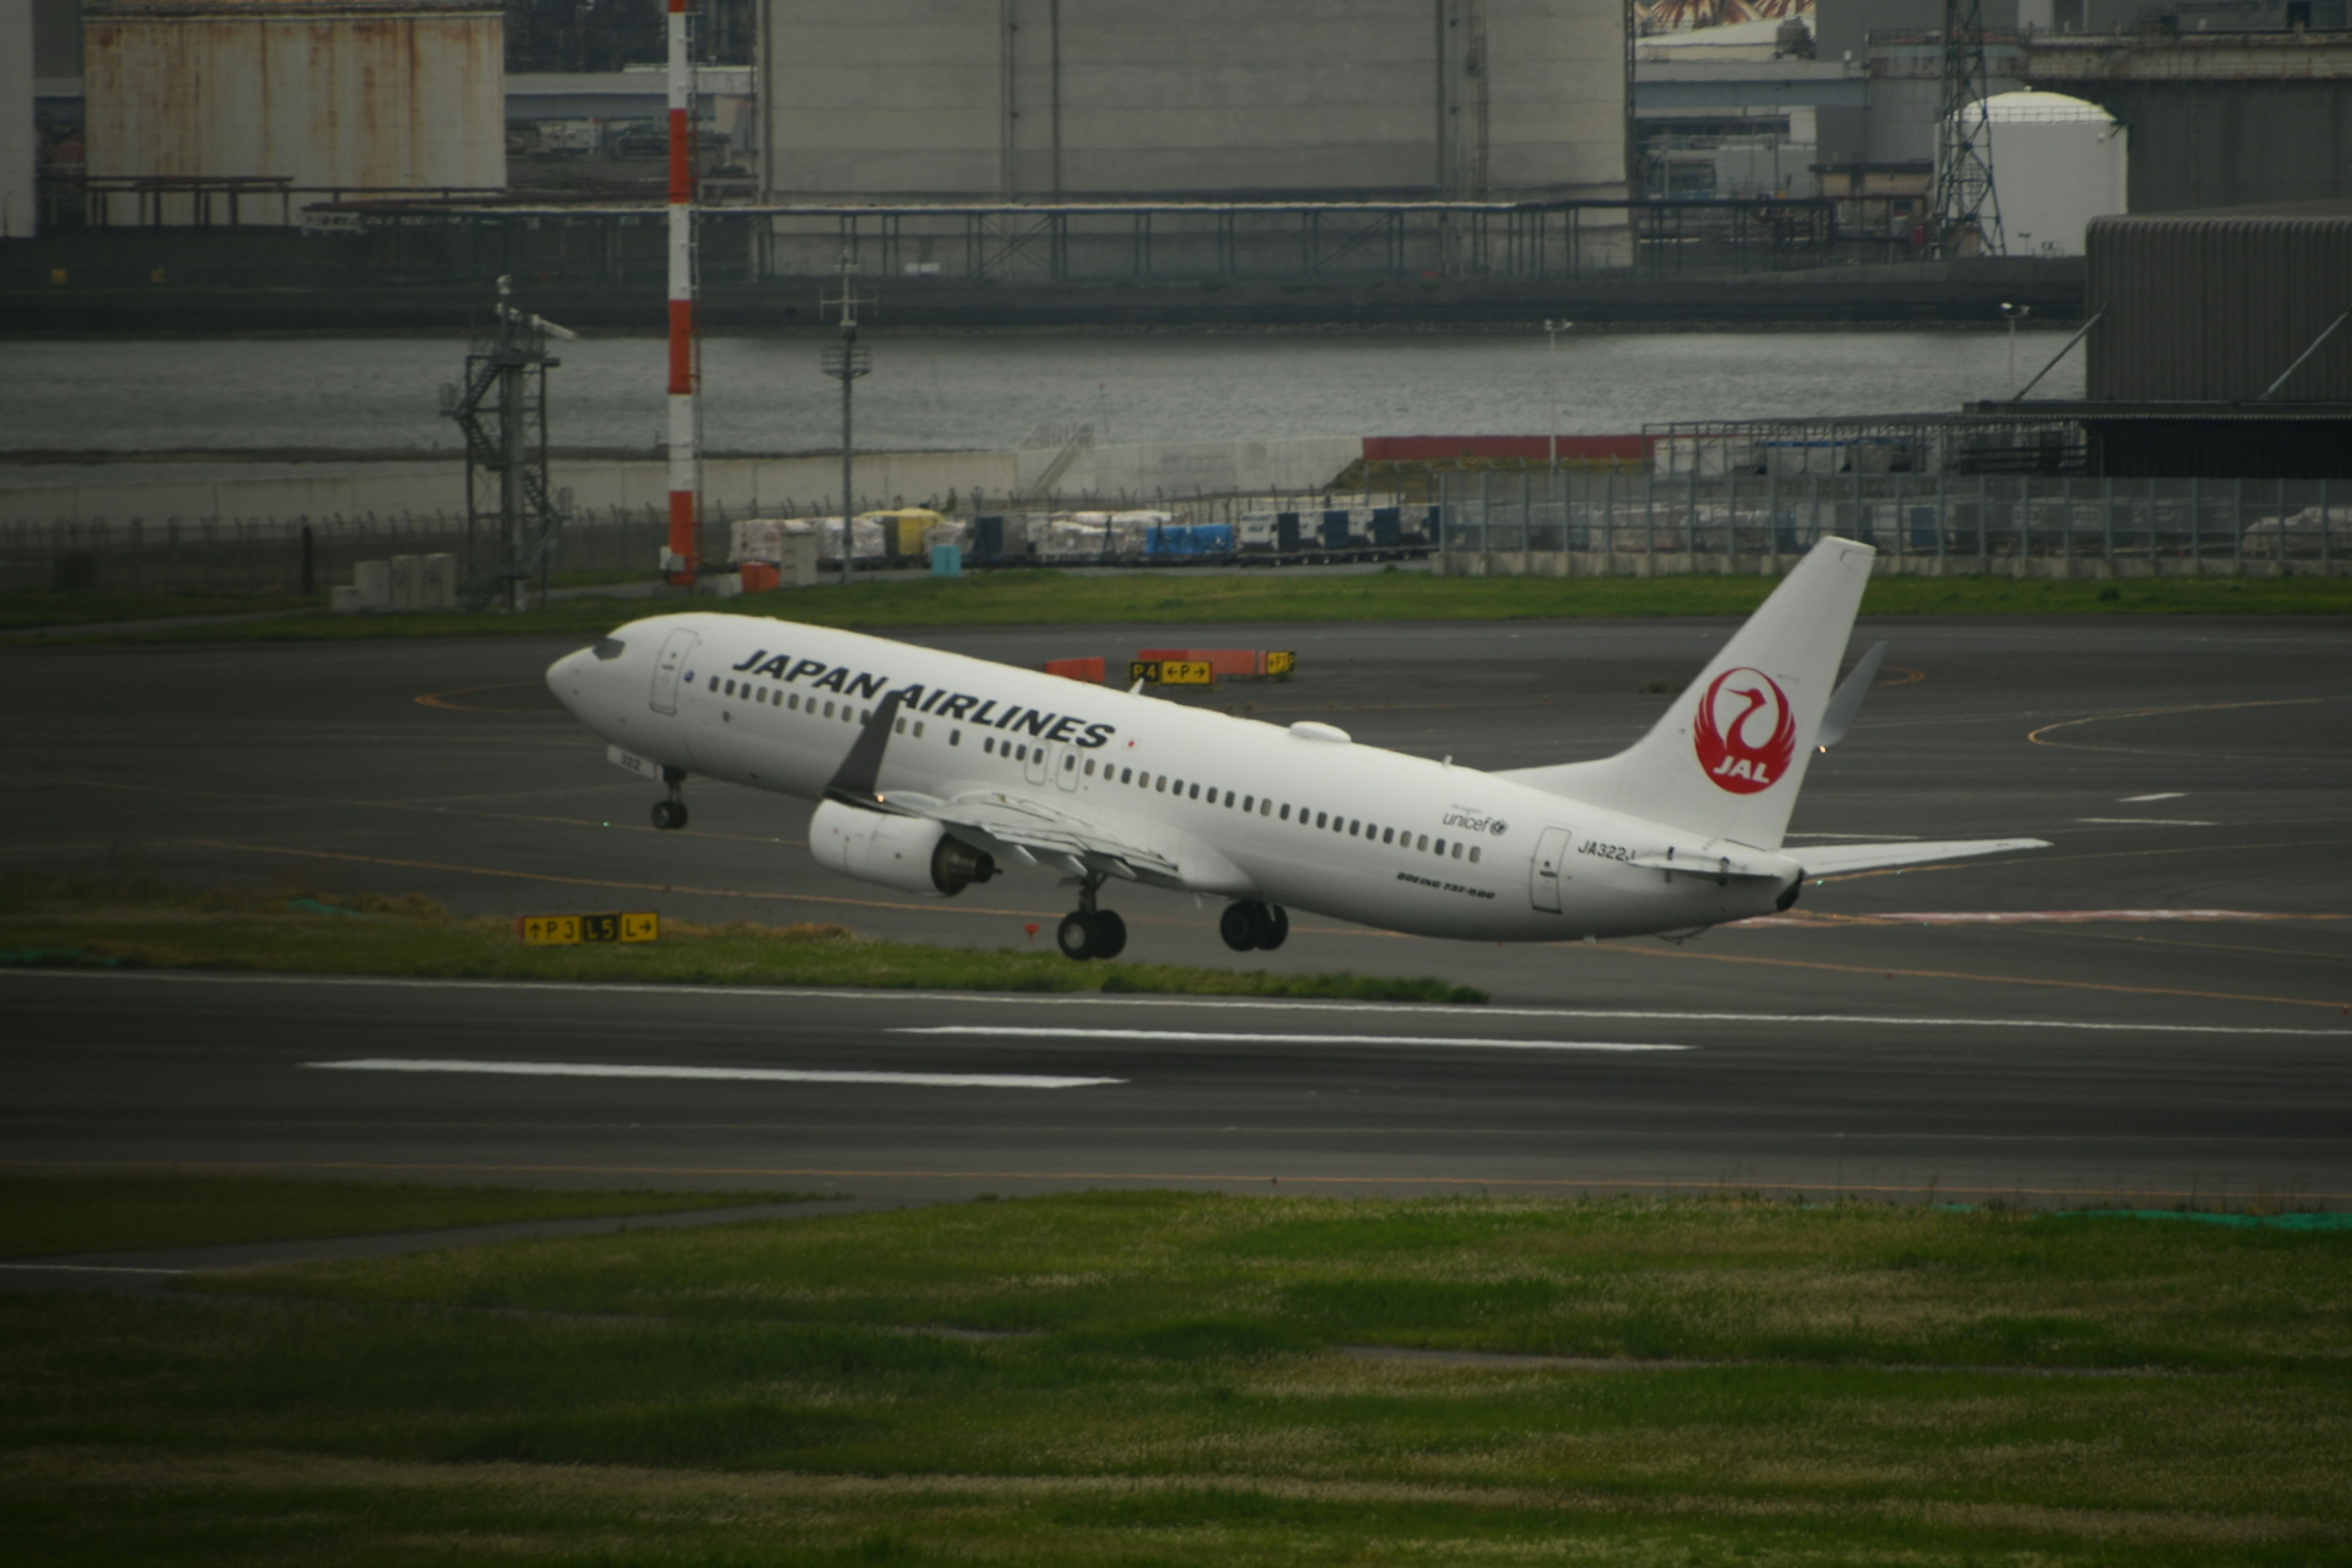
x: 322, y: 95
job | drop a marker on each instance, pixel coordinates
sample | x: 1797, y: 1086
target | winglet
x: 1846, y: 701
x: 858, y: 780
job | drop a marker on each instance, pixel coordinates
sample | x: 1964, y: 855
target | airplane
x: 934, y: 772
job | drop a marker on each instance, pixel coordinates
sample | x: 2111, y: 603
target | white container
x: 797, y: 565
x: 343, y: 599
x: 407, y: 583
x: 372, y: 579
x: 439, y: 587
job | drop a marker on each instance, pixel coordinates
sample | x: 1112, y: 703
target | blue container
x: 947, y: 560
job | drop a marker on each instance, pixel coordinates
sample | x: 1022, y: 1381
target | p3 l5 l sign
x: 1744, y: 732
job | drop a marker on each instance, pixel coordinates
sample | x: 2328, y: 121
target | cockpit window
x: 609, y: 648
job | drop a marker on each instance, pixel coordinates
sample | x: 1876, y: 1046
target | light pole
x: 2013, y: 314
x: 1552, y: 330
x: 847, y: 360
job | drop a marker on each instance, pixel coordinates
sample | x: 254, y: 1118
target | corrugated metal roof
x: 2212, y: 306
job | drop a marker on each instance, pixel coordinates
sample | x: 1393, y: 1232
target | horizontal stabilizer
x: 1846, y: 701
x: 1835, y: 860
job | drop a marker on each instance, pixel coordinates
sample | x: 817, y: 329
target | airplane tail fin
x: 1728, y: 757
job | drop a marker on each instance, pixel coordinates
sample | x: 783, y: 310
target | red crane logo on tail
x: 1746, y: 736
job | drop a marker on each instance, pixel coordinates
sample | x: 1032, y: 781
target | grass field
x: 45, y: 1214
x: 1173, y: 597
x: 66, y: 921
x: 25, y: 609
x: 1166, y: 1378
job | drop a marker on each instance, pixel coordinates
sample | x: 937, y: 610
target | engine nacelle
x: 912, y: 853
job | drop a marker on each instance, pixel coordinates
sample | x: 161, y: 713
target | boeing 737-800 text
x: 934, y: 771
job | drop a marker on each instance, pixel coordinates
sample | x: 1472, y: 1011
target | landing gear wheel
x: 1077, y: 935
x: 670, y: 814
x: 1110, y: 934
x: 1273, y: 926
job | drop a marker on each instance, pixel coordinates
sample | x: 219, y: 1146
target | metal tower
x: 502, y: 412
x: 846, y: 361
x: 681, y: 558
x: 1966, y: 201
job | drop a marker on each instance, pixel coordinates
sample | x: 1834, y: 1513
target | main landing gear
x: 1089, y: 932
x: 1248, y: 925
x: 669, y: 816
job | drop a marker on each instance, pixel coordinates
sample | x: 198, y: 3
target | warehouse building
x: 1219, y: 101
x: 237, y: 112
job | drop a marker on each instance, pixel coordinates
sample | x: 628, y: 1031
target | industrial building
x: 2217, y: 119
x: 1099, y: 100
x: 2214, y: 307
x: 205, y: 111
x: 910, y: 102
x: 19, y: 142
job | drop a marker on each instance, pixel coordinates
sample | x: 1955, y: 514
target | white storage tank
x: 187, y: 96
x: 2057, y: 164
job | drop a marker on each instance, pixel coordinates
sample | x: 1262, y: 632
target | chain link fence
x: 1624, y: 520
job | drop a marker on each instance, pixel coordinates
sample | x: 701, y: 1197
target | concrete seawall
x: 45, y: 493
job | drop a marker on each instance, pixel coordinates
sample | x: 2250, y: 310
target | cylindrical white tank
x: 2057, y: 164
x: 333, y: 94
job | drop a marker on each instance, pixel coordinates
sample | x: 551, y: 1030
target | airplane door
x: 1034, y: 767
x: 1066, y: 768
x: 668, y: 663
x: 1551, y: 849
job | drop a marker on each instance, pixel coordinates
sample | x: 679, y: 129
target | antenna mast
x: 681, y: 560
x: 1966, y: 202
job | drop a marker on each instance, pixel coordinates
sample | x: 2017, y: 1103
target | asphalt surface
x: 2156, y: 1008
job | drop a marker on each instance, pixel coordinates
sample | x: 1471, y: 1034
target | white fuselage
x: 1244, y: 808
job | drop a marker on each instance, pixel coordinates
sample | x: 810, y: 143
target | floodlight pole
x: 847, y: 360
x: 1552, y: 330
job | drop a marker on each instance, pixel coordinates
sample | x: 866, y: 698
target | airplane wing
x: 1834, y: 859
x: 1031, y: 832
x: 1026, y: 829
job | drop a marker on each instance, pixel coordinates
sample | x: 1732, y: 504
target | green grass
x: 1166, y: 1378
x: 65, y: 921
x: 45, y: 1214
x: 1174, y: 597
x: 23, y: 609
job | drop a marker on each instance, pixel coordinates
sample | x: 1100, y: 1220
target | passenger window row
x: 769, y: 697
x: 1354, y: 828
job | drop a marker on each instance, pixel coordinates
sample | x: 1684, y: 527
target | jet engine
x: 912, y: 853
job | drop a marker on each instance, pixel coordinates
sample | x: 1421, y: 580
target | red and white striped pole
x: 682, y: 562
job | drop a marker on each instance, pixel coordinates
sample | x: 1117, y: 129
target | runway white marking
x: 84, y: 1269
x: 754, y: 1074
x: 768, y: 996
x: 1230, y: 1037
x: 2144, y: 799
x: 2148, y: 821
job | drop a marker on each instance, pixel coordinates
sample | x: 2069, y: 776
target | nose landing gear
x: 1248, y: 924
x: 670, y: 814
x: 1090, y: 932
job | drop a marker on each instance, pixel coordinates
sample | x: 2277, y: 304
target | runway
x: 2155, y: 1008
